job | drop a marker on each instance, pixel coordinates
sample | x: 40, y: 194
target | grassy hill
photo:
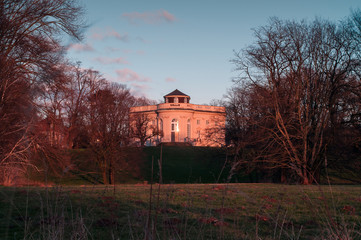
x: 186, y: 164
x: 180, y: 164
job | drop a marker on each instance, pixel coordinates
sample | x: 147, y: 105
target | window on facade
x: 181, y: 99
x: 171, y: 99
x: 207, y: 122
x: 198, y: 122
x: 174, y: 125
x: 189, y: 128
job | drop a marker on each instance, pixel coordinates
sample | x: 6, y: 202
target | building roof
x: 176, y: 93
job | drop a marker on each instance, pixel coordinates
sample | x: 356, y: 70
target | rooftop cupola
x: 176, y: 97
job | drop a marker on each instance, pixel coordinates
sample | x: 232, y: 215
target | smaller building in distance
x: 178, y: 121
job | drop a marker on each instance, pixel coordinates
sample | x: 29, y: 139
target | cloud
x: 154, y: 17
x: 141, y: 39
x: 110, y: 33
x: 140, y: 89
x: 118, y: 36
x: 107, y: 60
x: 169, y: 79
x: 97, y: 36
x: 80, y: 47
x: 128, y: 75
x: 112, y: 49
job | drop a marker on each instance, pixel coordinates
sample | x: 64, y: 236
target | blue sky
x: 156, y: 46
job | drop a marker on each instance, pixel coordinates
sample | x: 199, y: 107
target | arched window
x: 189, y: 128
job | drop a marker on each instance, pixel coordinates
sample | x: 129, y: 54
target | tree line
x: 48, y: 103
x: 295, y: 107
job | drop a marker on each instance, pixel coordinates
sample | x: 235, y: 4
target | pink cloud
x: 142, y: 87
x: 113, y: 49
x: 155, y: 17
x: 139, y: 89
x: 107, y: 60
x: 79, y: 47
x: 169, y: 79
x: 118, y: 36
x: 97, y: 36
x: 168, y: 16
x: 142, y: 40
x: 110, y: 33
x: 137, y: 52
x: 128, y: 75
x: 127, y: 51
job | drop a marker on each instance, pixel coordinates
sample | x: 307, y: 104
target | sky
x: 157, y: 46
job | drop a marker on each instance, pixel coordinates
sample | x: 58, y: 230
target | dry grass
x: 182, y: 211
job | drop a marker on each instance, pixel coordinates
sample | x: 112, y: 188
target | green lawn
x: 181, y: 211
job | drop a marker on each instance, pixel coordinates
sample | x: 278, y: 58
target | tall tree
x: 82, y: 84
x: 301, y: 69
x: 109, y: 127
x: 29, y: 43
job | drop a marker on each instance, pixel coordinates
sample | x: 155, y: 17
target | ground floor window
x: 189, y: 128
x: 174, y: 129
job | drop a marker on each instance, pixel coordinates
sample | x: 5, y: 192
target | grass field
x: 181, y: 211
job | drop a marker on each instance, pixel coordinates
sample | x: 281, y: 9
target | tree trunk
x: 105, y: 176
x: 305, y: 178
x: 111, y: 174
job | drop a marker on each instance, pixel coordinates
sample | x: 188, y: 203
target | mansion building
x: 178, y: 121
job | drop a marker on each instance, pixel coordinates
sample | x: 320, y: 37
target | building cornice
x: 178, y: 107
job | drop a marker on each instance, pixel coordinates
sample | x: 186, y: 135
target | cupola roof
x: 176, y: 97
x: 176, y: 93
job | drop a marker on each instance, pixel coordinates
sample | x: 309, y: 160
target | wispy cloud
x: 128, y: 75
x: 79, y: 47
x: 154, y: 17
x: 110, y: 33
x: 112, y: 49
x: 137, y: 52
x: 107, y: 60
x: 141, y: 39
x: 169, y: 79
x: 140, y: 89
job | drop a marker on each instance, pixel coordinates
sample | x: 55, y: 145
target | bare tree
x: 29, y: 43
x: 108, y: 127
x: 82, y: 84
x: 300, y: 69
x: 143, y: 127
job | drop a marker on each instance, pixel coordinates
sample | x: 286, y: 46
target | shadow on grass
x: 181, y: 211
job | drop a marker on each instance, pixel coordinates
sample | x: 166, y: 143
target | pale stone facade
x: 179, y: 121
